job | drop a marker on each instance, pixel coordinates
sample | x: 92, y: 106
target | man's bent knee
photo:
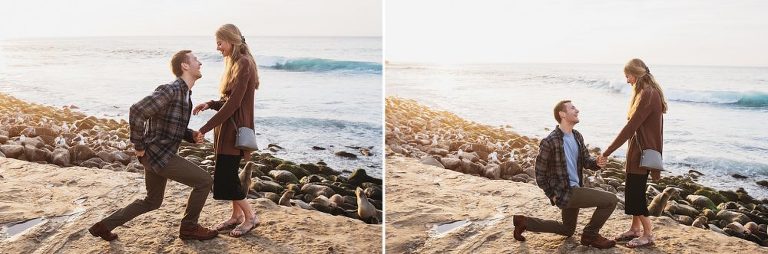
x: 206, y: 183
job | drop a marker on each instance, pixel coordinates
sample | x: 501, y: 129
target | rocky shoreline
x: 65, y: 137
x: 444, y: 140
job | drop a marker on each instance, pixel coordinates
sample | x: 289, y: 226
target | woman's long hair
x: 231, y: 34
x: 644, y: 80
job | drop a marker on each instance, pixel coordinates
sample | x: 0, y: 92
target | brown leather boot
x: 597, y: 241
x: 99, y: 230
x: 196, y: 232
x: 519, y: 222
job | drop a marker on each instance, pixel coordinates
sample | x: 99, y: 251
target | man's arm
x: 542, y: 168
x: 589, y: 161
x: 143, y: 110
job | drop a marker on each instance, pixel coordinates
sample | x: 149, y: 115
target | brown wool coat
x: 647, y: 121
x: 237, y: 102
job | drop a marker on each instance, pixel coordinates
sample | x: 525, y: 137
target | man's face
x: 570, y: 113
x: 192, y: 66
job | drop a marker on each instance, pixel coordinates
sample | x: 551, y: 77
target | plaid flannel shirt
x: 159, y: 122
x: 551, y: 169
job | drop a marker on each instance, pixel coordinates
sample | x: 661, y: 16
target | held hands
x: 602, y: 161
x: 198, y: 136
x: 139, y: 153
x: 200, y: 107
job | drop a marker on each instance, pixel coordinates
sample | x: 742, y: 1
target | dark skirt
x: 635, y: 202
x: 226, y: 183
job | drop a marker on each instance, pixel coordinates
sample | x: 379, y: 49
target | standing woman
x: 237, y: 88
x: 644, y: 131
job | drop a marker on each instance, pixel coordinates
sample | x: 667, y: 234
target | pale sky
x: 689, y: 32
x: 73, y: 18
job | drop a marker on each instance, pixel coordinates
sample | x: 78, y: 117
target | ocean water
x: 715, y: 123
x: 315, y: 91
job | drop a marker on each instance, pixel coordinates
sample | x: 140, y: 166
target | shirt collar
x: 184, y: 88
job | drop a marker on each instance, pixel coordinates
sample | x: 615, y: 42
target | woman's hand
x: 602, y: 161
x: 200, y: 107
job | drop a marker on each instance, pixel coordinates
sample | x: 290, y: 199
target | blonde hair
x: 231, y: 34
x: 643, y: 80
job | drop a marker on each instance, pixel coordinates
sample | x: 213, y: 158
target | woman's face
x: 630, y: 78
x: 224, y: 47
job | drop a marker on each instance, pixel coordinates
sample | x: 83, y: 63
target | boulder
x: 92, y: 163
x: 12, y: 151
x: 86, y: 124
x: 682, y: 219
x: 677, y: 208
x: 730, y: 216
x: 35, y: 142
x: 259, y: 185
x: 700, y: 202
x: 509, y: 169
x: 121, y: 157
x: 451, y: 163
x: 105, y: 156
x: 438, y: 151
x: 346, y: 155
x: 60, y: 156
x: 296, y: 170
x: 80, y: 153
x: 429, y: 160
x: 283, y: 176
x: 736, y: 227
x: 36, y: 154
x: 317, y: 190
x: 492, y: 171
x: 360, y: 176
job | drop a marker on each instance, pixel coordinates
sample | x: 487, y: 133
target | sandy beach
x: 453, y: 186
x: 71, y: 199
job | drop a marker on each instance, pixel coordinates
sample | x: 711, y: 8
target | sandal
x: 641, y: 242
x: 627, y: 236
x: 224, y: 226
x: 241, y: 232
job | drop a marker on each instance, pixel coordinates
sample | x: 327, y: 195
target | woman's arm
x: 216, y: 105
x: 239, y: 87
x: 638, y: 117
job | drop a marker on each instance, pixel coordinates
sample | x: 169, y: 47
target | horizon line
x: 390, y: 62
x: 139, y: 36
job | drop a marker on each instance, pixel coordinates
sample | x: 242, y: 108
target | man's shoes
x: 519, y: 222
x: 99, y: 230
x: 597, y: 241
x: 196, y: 232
